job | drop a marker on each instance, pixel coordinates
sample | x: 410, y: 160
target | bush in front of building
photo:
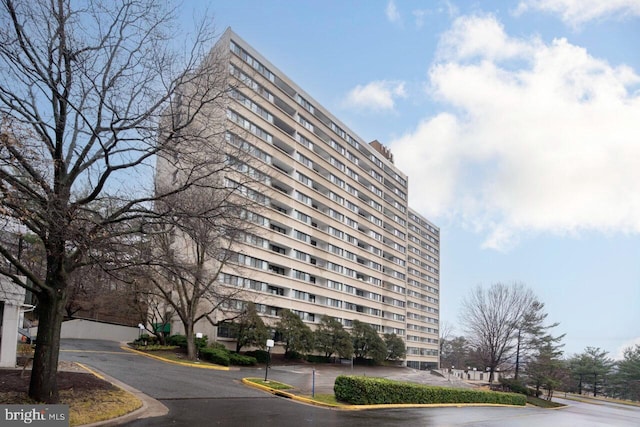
x: 242, y: 360
x: 146, y: 339
x: 181, y: 341
x: 215, y: 355
x: 377, y: 391
x: 261, y: 356
x: 219, y: 354
x: 314, y: 358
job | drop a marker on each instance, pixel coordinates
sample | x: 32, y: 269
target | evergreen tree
x: 367, y: 343
x: 590, y: 370
x: 627, y: 378
x: 396, y: 349
x: 294, y: 333
x: 532, y: 334
x: 331, y: 338
x: 249, y: 329
x: 546, y: 369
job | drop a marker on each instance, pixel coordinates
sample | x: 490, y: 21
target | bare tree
x: 94, y: 293
x: 153, y: 312
x: 446, y: 332
x: 491, y: 319
x: 192, y: 248
x: 84, y: 87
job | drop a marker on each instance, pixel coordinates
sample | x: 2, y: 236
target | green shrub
x: 242, y: 360
x: 178, y: 340
x: 317, y: 359
x: 146, y: 339
x: 260, y: 355
x: 181, y: 341
x: 214, y: 355
x: 293, y: 355
x: 155, y: 347
x: 218, y: 345
x: 517, y: 386
x: 375, y: 391
x: 201, y: 342
x: 364, y: 362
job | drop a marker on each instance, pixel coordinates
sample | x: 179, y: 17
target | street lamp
x: 270, y: 344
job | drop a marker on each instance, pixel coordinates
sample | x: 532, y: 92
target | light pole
x: 270, y: 344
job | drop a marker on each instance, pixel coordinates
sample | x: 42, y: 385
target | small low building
x: 11, y: 318
x: 473, y: 374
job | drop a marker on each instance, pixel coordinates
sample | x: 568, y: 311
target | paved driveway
x: 198, y: 397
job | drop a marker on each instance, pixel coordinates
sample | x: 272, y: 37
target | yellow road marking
x: 91, y: 371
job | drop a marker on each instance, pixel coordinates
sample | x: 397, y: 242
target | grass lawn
x: 327, y: 399
x: 270, y: 383
x: 543, y: 403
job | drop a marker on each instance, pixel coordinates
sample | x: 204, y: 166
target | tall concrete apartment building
x: 337, y: 236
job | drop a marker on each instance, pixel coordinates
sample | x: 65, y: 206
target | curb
x: 190, y: 365
x: 281, y: 393
x: 310, y: 401
x: 150, y: 406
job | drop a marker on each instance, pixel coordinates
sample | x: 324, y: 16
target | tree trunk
x: 518, y: 356
x: 44, y: 385
x: 580, y: 385
x: 191, y: 342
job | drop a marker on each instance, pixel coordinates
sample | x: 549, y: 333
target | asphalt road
x: 198, y: 397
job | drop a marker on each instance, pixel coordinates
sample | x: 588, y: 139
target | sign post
x: 270, y: 344
x: 198, y: 336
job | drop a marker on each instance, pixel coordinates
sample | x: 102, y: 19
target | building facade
x: 337, y: 236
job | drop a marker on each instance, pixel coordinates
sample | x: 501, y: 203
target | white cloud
x: 449, y: 8
x: 445, y: 7
x: 420, y: 14
x: 392, y: 13
x: 376, y: 96
x: 481, y: 37
x: 578, y: 12
x: 619, y: 355
x: 539, y: 137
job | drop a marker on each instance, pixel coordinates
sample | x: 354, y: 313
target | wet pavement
x: 320, y: 378
x: 200, y: 397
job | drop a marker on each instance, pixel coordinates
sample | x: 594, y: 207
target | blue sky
x: 517, y: 122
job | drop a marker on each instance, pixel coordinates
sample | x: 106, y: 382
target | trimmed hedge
x: 376, y: 391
